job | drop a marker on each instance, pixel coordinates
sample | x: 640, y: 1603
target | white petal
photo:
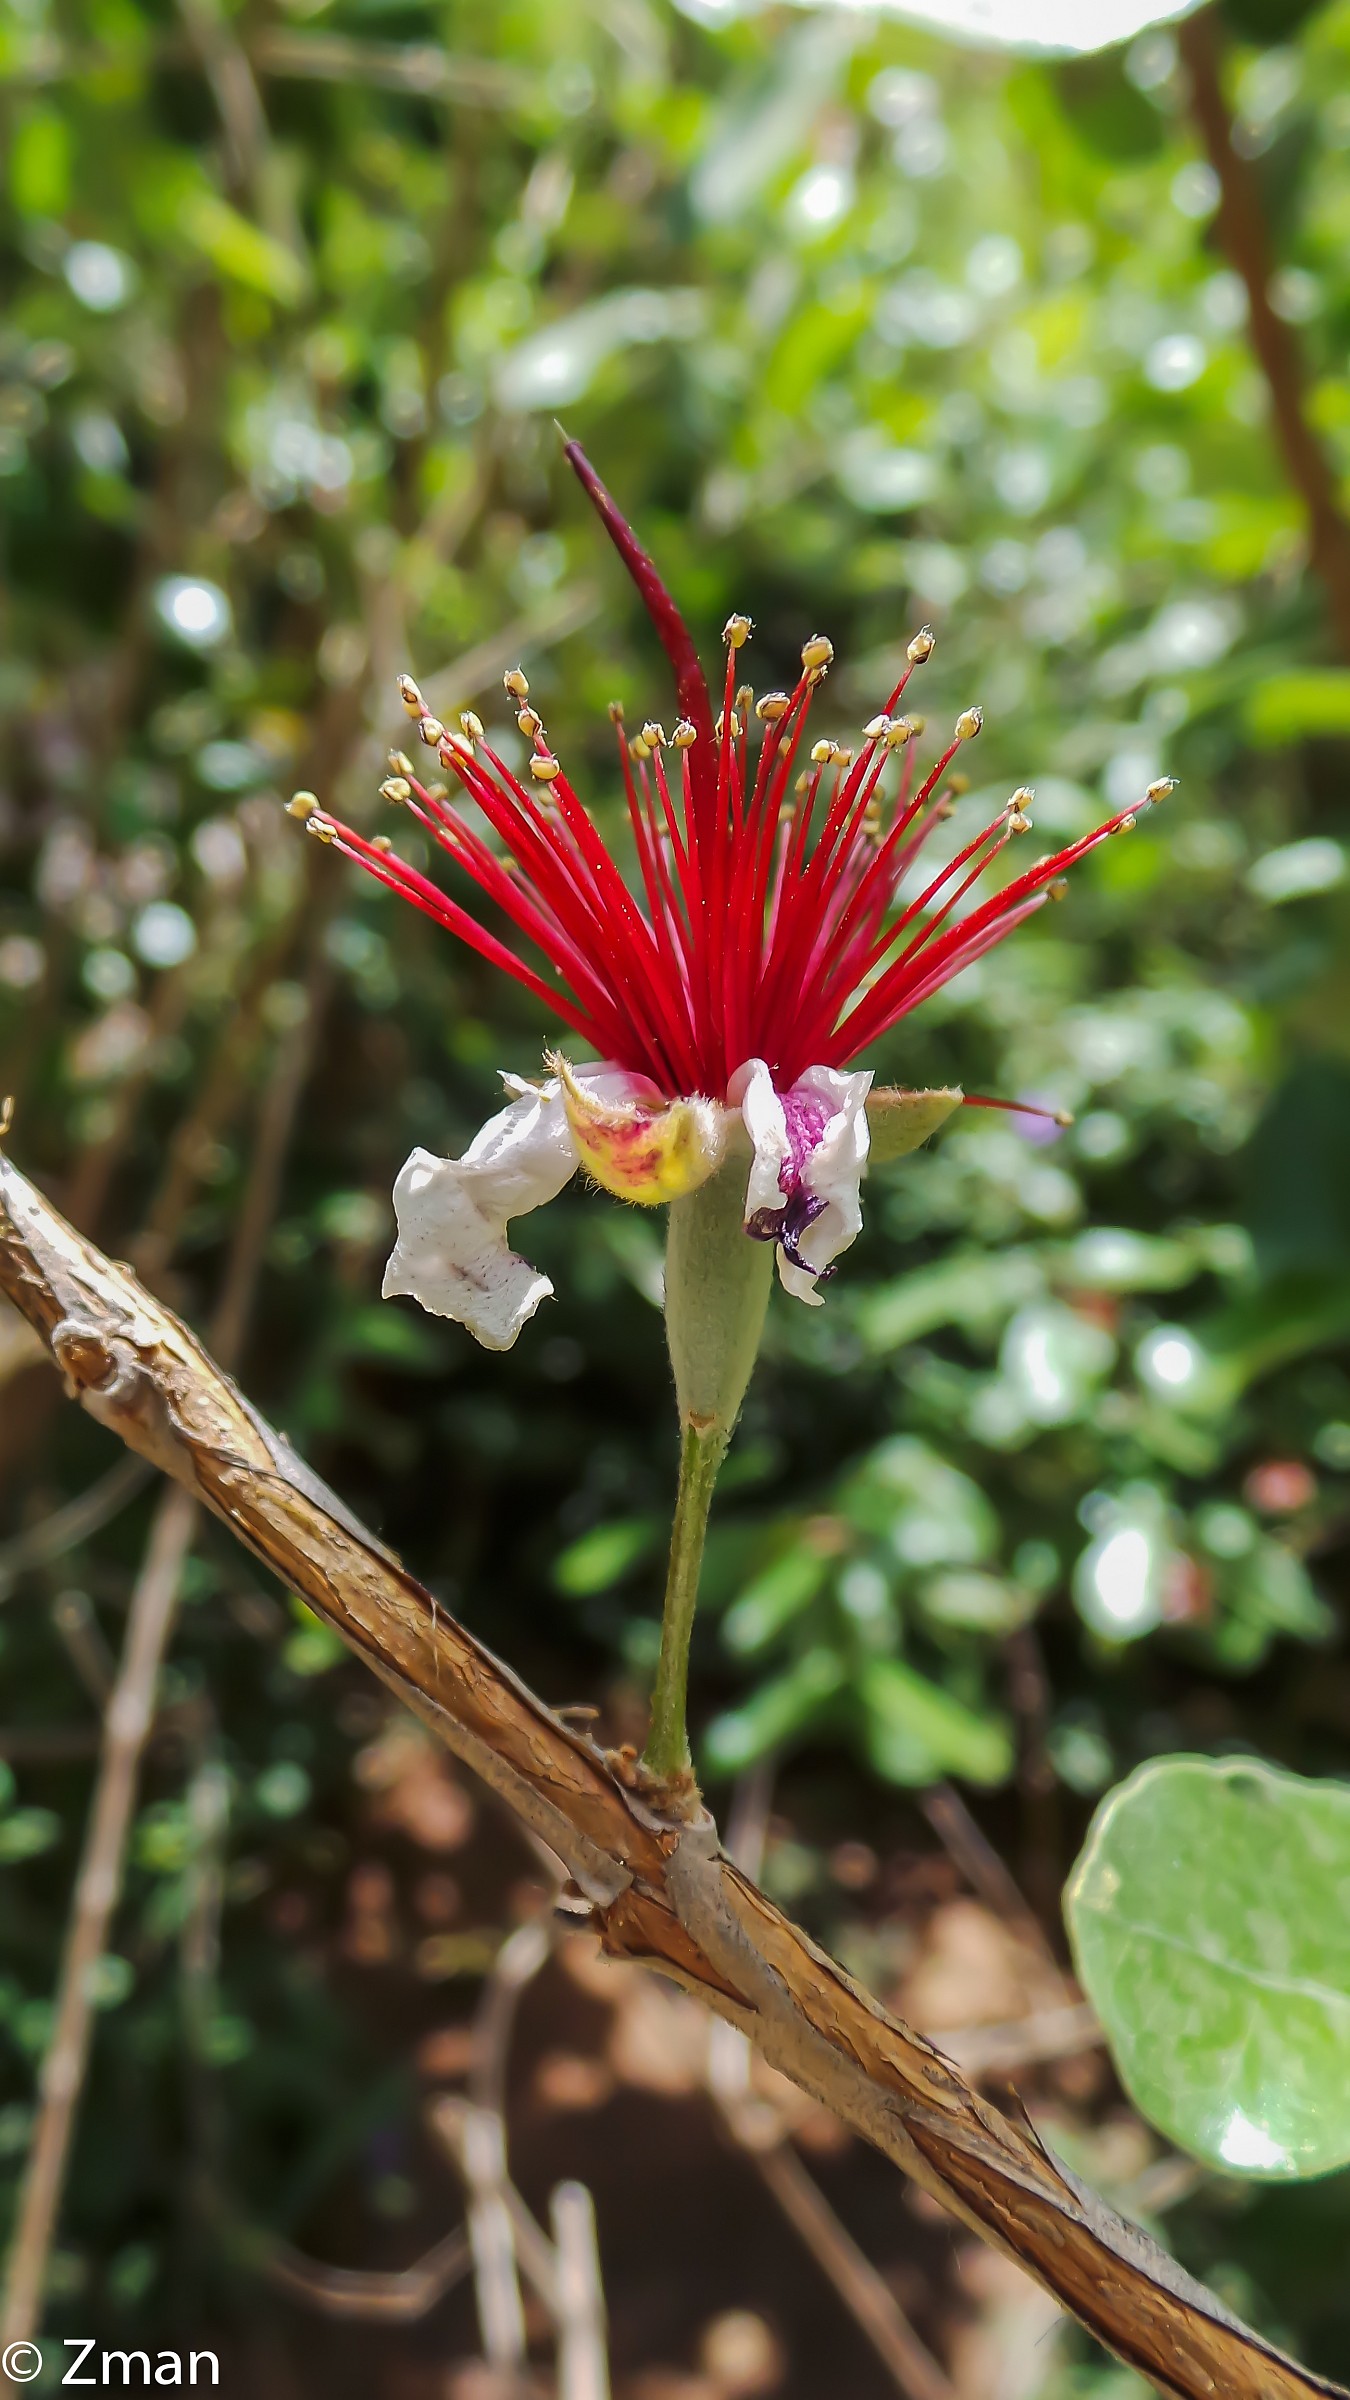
x: 452, y: 1254
x: 831, y: 1169
x: 837, y: 1164
x: 751, y: 1090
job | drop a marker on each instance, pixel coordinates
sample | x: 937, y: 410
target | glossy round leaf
x: 1210, y: 1921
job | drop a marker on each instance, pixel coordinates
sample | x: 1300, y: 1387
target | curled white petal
x: 751, y: 1089
x: 834, y: 1173
x: 810, y: 1152
x: 452, y: 1255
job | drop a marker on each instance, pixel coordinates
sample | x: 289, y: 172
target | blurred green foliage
x: 862, y: 332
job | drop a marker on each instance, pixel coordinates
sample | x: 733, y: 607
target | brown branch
x: 1241, y: 226
x: 661, y: 1891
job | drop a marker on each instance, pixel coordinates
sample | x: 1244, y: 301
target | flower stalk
x: 717, y: 1293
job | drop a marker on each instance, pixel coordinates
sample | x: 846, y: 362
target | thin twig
x: 1038, y: 2039
x: 66, y: 1527
x: 127, y: 1723
x: 583, y: 2363
x: 82, y: 1637
x: 869, y: 2299
x: 418, y: 67
x: 1241, y: 227
x: 501, y: 2314
x: 351, y: 2293
x: 96, y: 1892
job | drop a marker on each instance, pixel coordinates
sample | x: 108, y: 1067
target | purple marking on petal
x: 806, y: 1115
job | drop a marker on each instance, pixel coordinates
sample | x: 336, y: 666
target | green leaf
x: 774, y: 1598
x: 1209, y: 1929
x: 241, y: 251
x: 774, y: 1713
x: 899, y: 1121
x: 602, y: 1557
x: 1287, y: 708
x: 916, y: 1731
x: 39, y: 164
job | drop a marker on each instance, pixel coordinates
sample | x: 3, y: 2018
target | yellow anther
x: 396, y: 788
x: 842, y: 758
x: 968, y: 724
x: 471, y: 725
x: 1018, y: 820
x: 898, y: 732
x: 545, y: 769
x: 322, y: 828
x: 735, y: 727
x: 1127, y: 824
x: 737, y: 631
x: 773, y: 707
x: 1057, y: 890
x: 817, y: 654
x: 411, y: 697
x: 921, y: 647
x: 432, y: 731
x: 1159, y: 790
x: 821, y: 753
x: 400, y: 763
x: 382, y: 843
x: 876, y: 729
x: 685, y: 734
x: 654, y: 735
x: 638, y: 749
x: 302, y: 805
x: 516, y: 683
x: 616, y: 712
x: 529, y: 723
x: 956, y: 785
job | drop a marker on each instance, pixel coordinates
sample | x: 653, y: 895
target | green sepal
x: 899, y: 1121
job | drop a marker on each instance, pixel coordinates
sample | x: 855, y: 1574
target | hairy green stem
x: 701, y: 1454
x: 717, y: 1291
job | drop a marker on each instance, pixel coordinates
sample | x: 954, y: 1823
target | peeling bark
x: 660, y: 1891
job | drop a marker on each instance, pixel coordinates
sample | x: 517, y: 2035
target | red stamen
x: 743, y: 933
